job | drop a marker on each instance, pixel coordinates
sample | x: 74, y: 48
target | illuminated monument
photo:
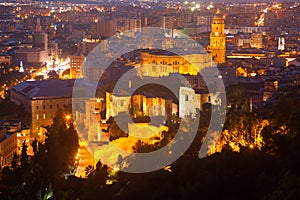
x: 217, y: 46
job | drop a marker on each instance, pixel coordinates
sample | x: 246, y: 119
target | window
x: 186, y: 97
x: 122, y: 102
x: 153, y: 68
x: 44, y: 116
x: 37, y: 116
x: 50, y: 106
x: 209, y: 99
x: 37, y: 107
x: 44, y: 107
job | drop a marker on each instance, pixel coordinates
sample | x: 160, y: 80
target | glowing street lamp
x: 68, y: 117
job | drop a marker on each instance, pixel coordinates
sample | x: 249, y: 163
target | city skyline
x: 152, y: 100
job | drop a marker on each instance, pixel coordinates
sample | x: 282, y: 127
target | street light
x: 68, y: 117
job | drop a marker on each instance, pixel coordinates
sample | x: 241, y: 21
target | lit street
x: 84, y: 159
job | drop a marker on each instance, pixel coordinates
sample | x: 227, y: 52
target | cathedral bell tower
x: 217, y: 46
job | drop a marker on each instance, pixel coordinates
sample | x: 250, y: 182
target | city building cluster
x: 44, y: 47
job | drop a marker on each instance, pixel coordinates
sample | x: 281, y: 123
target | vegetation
x: 36, y: 177
x: 270, y: 169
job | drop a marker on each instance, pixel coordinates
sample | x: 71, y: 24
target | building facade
x: 217, y: 46
x: 103, y: 28
x: 139, y: 105
x: 256, y: 40
x: 40, y: 40
x: 8, y: 147
x: 42, y: 99
x: 163, y: 64
x: 76, y: 64
x: 88, y: 45
x: 31, y: 56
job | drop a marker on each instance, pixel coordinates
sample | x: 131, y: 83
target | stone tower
x: 217, y: 46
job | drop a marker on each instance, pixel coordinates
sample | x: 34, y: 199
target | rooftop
x: 27, y: 50
x: 45, y: 88
x: 171, y: 52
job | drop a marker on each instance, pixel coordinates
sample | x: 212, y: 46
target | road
x: 84, y: 159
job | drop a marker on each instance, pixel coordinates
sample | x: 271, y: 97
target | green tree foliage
x: 283, y: 110
x: 237, y: 98
x: 34, y: 177
x: 24, y: 157
x: 61, y: 145
x: 34, y: 145
x: 95, y: 186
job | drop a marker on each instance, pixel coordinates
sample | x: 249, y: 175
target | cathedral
x: 217, y: 47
